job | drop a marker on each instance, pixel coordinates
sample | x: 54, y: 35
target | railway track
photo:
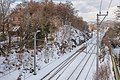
x: 76, y: 67
x: 64, y: 63
x: 90, y: 68
x: 60, y: 67
x: 63, y: 66
x: 80, y: 63
x: 89, y: 42
x: 85, y: 64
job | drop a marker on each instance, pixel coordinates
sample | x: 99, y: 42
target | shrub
x: 103, y: 73
x: 2, y: 37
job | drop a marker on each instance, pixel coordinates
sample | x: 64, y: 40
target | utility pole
x: 86, y: 39
x: 118, y: 12
x: 34, y: 53
x: 98, y: 26
x: 97, y: 47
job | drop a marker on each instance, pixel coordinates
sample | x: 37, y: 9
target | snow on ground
x: 65, y: 74
x: 116, y: 51
x: 107, y: 62
x: 83, y: 65
x: 11, y: 67
x: 14, y: 75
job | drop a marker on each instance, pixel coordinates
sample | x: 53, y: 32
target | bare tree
x: 4, y: 11
x: 116, y: 37
x: 103, y: 73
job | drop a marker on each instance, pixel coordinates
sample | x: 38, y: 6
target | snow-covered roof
x: 15, y: 28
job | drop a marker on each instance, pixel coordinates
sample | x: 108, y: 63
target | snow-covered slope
x: 17, y: 64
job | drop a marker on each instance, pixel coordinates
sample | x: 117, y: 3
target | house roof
x: 14, y: 28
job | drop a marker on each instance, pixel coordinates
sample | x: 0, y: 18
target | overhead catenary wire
x: 107, y: 10
x: 100, y: 6
x: 109, y: 5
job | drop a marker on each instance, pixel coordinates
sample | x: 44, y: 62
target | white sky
x: 89, y: 8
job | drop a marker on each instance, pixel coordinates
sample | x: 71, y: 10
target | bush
x: 30, y: 44
x: 3, y: 37
x: 103, y: 73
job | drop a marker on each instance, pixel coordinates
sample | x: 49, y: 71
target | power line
x: 109, y: 5
x: 100, y: 6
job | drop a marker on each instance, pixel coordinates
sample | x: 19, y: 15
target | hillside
x: 66, y: 39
